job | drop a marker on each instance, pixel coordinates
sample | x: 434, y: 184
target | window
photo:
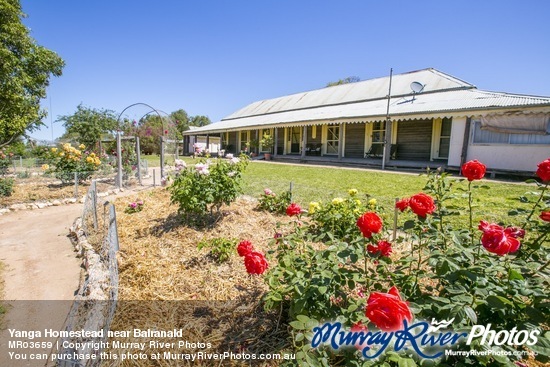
x: 445, y: 138
x: 491, y: 137
x: 244, y: 140
x: 378, y: 132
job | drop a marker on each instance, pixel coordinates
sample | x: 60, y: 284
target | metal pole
x: 161, y: 157
x: 385, y: 153
x: 119, y: 160
x: 138, y: 154
x: 154, y: 179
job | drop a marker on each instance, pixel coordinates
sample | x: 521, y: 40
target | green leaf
x: 406, y: 362
x: 302, y: 318
x: 471, y: 314
x: 513, y: 275
x: 498, y: 301
x: 297, y: 325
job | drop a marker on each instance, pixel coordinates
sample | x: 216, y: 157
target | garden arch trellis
x: 162, y: 140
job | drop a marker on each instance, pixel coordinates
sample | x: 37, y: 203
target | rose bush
x: 274, y: 203
x: 201, y: 190
x: 332, y: 266
x: 66, y: 161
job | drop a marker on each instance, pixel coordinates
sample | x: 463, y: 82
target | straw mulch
x: 166, y: 283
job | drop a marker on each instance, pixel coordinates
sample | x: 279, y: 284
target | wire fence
x: 95, y: 304
x: 31, y: 181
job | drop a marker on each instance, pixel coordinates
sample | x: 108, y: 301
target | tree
x: 88, y: 125
x: 25, y: 71
x: 199, y: 120
x: 349, y: 79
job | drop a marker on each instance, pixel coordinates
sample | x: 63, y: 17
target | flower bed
x: 338, y: 265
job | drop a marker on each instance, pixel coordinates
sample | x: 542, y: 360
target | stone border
x: 56, y: 202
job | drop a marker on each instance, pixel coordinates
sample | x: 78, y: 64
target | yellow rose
x: 82, y: 146
x: 54, y: 150
x: 352, y: 192
x: 357, y: 202
x: 372, y: 202
x: 337, y: 201
x: 45, y: 167
x: 313, y: 207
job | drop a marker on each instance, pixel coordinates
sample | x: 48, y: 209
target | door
x: 333, y: 137
x: 295, y: 139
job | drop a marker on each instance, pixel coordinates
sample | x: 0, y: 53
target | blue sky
x: 214, y: 57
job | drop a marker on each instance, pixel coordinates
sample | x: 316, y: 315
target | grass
x: 313, y: 183
x: 492, y: 199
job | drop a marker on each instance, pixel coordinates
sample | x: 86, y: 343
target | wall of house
x: 495, y: 156
x: 509, y: 156
x: 414, y: 140
x: 354, y: 146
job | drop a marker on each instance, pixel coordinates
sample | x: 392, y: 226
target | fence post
x: 119, y: 160
x: 154, y: 179
x: 290, y: 190
x: 161, y: 157
x: 138, y: 154
x: 76, y: 185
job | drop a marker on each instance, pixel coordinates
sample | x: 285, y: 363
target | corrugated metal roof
x: 367, y: 102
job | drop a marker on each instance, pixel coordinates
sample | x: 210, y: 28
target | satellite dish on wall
x: 417, y: 87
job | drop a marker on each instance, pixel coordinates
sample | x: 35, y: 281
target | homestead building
x: 432, y: 119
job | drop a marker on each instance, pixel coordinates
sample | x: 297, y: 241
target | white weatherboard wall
x: 509, y: 156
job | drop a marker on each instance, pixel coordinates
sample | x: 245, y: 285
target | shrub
x: 68, y: 160
x: 329, y: 269
x: 5, y: 161
x: 200, y: 191
x: 273, y: 203
x: 220, y: 248
x: 6, y: 186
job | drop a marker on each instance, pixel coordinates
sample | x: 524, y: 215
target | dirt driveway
x: 41, y: 270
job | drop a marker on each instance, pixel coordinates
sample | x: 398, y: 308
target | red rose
x: 255, y: 262
x: 293, y: 209
x: 422, y: 204
x: 499, y: 240
x: 369, y: 223
x: 543, y: 170
x: 545, y: 216
x: 383, y: 248
x: 387, y: 311
x: 402, y: 204
x: 244, y: 248
x: 473, y: 170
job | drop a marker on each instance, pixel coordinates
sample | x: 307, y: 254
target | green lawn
x: 321, y: 183
x: 314, y: 183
